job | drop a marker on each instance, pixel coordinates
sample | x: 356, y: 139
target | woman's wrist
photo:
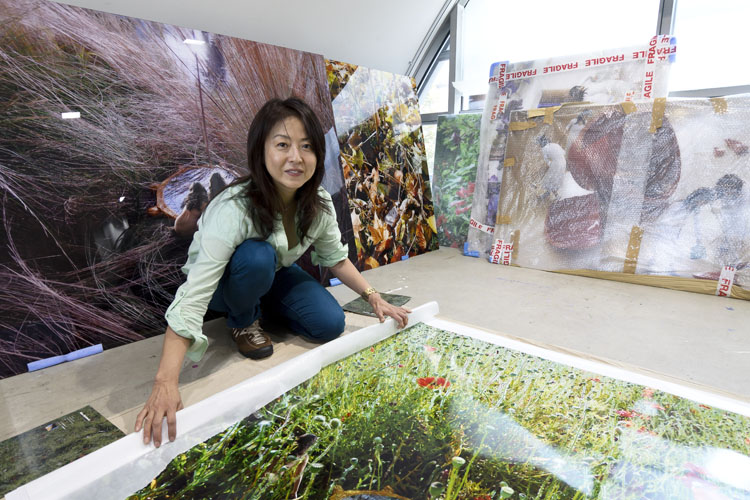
x: 369, y: 292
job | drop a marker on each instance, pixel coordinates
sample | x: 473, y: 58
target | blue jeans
x: 251, y: 284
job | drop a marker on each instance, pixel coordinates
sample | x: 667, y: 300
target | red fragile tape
x: 476, y: 225
x: 501, y: 253
x: 726, y: 280
x: 660, y: 48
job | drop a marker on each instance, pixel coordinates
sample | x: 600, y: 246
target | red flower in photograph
x: 433, y: 382
x: 595, y: 379
x: 626, y: 413
x: 657, y: 406
x: 429, y: 348
x: 705, y: 407
x: 648, y: 393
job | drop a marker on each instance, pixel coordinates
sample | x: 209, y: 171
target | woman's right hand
x: 164, y: 401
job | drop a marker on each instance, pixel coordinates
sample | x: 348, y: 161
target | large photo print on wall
x: 98, y: 210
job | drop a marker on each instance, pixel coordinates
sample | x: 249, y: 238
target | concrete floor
x: 700, y: 340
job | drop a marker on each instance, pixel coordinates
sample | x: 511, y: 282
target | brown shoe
x: 252, y: 341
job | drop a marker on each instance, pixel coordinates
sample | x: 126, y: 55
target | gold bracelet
x: 366, y: 294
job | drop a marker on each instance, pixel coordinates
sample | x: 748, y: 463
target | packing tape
x: 634, y: 248
x: 720, y: 105
x: 547, y: 113
x: 476, y: 225
x: 657, y: 114
x: 503, y: 219
x: 516, y: 126
x: 509, y: 162
x: 628, y: 107
x: 515, y: 238
x: 726, y: 280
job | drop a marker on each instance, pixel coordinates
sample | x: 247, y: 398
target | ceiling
x: 384, y: 35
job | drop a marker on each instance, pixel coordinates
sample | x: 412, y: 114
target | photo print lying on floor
x: 443, y: 411
x: 47, y: 447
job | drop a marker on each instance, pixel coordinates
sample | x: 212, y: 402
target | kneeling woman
x: 241, y: 260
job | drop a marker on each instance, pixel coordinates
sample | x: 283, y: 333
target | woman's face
x: 289, y: 156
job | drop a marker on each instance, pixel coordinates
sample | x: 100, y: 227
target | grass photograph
x: 430, y: 414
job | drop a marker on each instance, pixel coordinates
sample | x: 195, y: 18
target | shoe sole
x: 261, y: 353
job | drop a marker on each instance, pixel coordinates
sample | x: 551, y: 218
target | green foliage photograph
x: 456, y: 154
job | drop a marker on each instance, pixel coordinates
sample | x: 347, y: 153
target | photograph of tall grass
x: 430, y: 414
x: 379, y: 132
x: 86, y: 254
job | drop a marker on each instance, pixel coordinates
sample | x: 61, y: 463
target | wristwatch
x: 366, y: 294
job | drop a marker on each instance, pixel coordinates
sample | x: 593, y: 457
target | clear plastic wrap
x: 629, y: 74
x: 654, y: 189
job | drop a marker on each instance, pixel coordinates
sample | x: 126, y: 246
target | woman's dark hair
x: 264, y: 200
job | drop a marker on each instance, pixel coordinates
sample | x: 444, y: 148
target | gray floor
x: 700, y: 340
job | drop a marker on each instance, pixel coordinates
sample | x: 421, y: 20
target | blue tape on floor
x: 56, y: 360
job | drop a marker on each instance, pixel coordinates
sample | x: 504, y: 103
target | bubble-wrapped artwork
x: 657, y: 189
x: 611, y: 76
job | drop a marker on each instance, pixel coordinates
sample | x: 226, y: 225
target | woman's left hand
x: 383, y: 309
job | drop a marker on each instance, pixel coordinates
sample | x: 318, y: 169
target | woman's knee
x: 255, y: 258
x: 328, y: 326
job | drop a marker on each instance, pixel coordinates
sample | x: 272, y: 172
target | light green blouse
x: 223, y: 226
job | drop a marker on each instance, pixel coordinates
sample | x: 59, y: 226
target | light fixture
x: 71, y: 115
x: 192, y: 41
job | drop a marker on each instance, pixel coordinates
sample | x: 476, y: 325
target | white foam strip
x: 70, y: 115
x: 600, y: 368
x: 127, y: 465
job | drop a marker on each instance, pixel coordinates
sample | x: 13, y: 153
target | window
x: 710, y: 44
x: 433, y: 95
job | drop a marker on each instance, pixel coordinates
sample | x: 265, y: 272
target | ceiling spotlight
x: 192, y: 41
x: 71, y: 115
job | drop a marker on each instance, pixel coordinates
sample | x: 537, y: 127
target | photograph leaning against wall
x: 116, y: 132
